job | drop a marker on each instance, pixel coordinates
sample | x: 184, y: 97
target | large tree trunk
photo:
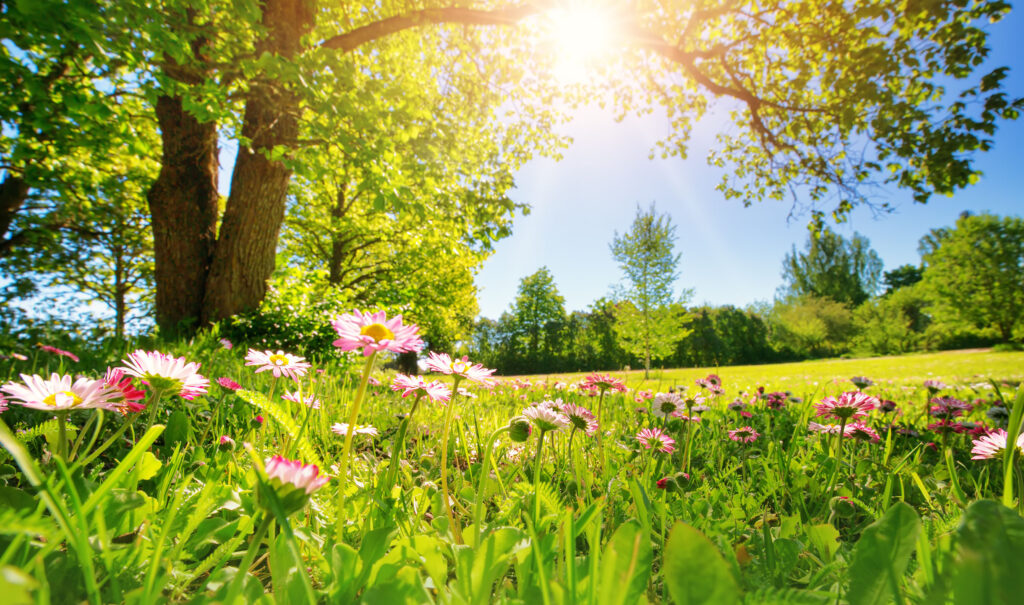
x: 13, y: 193
x: 244, y: 258
x: 183, y: 202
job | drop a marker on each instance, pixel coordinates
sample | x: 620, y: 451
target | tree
x: 812, y: 326
x: 975, y: 272
x: 536, y: 314
x: 901, y: 277
x: 892, y: 324
x: 833, y: 267
x: 648, y: 319
x: 825, y: 97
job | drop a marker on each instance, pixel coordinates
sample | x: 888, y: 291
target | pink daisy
x: 680, y: 415
x: 828, y: 429
x: 603, y: 382
x: 581, y: 418
x: 227, y: 344
x: 852, y: 404
x: 657, y: 439
x: 418, y: 386
x: 306, y: 477
x: 341, y: 429
x: 460, y: 367
x: 280, y: 363
x: 166, y: 372
x: 310, y: 401
x: 859, y: 430
x: 60, y: 352
x: 744, y: 434
x: 993, y: 445
x: 229, y: 384
x: 545, y: 418
x: 375, y: 332
x: 131, y: 398
x: 59, y: 394
x: 666, y: 404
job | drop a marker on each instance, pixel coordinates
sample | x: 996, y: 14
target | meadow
x: 211, y: 474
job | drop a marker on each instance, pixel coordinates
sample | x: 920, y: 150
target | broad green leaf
x: 989, y: 552
x: 881, y: 556
x: 403, y: 587
x: 825, y: 540
x: 625, y: 565
x: 695, y: 571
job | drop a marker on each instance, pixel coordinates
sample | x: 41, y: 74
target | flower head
x: 712, y: 383
x: 744, y: 434
x: 310, y: 401
x: 993, y: 445
x: 657, y: 439
x: 375, y: 332
x: 418, y: 386
x: 828, y: 429
x: 666, y: 404
x: 280, y: 363
x: 130, y: 397
x: 862, y: 382
x: 603, y: 382
x: 934, y: 386
x: 293, y: 481
x: 861, y: 431
x: 59, y: 352
x: 59, y: 394
x: 775, y: 400
x: 545, y: 418
x: 852, y: 404
x: 464, y: 368
x: 341, y: 428
x: 229, y: 384
x: 225, y: 343
x: 166, y: 372
x: 580, y: 418
x: 949, y: 407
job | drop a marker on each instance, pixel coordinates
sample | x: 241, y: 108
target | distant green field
x: 954, y: 367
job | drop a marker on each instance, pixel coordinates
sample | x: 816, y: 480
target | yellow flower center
x: 278, y: 360
x: 52, y: 399
x: 377, y: 332
x: 460, y: 367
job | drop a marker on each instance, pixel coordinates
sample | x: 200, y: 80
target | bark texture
x: 13, y: 193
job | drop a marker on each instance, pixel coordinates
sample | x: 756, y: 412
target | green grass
x: 955, y: 367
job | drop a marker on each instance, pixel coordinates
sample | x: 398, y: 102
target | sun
x: 584, y: 36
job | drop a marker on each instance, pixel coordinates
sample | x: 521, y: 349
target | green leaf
x: 178, y: 428
x: 825, y: 540
x: 990, y: 547
x: 284, y: 419
x: 16, y: 586
x: 405, y: 586
x: 694, y: 571
x: 625, y: 565
x: 148, y: 467
x: 881, y: 556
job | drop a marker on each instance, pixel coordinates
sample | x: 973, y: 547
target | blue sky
x: 730, y: 254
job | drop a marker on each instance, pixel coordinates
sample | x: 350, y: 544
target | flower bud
x: 519, y: 429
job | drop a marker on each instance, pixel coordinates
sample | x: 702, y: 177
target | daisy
x: 680, y: 415
x: 862, y: 382
x: 545, y: 418
x: 993, y: 445
x: 828, y: 429
x: 657, y: 439
x: 229, y: 384
x: 284, y: 472
x: 666, y: 404
x: 60, y: 352
x: 280, y: 363
x: 341, y: 429
x: 463, y: 368
x: 227, y: 344
x: 852, y: 404
x: 934, y: 386
x: 130, y: 397
x: 580, y: 418
x: 949, y: 407
x: 603, y: 382
x: 863, y: 432
x: 309, y: 401
x: 744, y: 434
x: 418, y: 386
x: 59, y: 394
x: 167, y: 373
x: 375, y: 332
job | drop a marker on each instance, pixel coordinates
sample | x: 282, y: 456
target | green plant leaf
x: 625, y: 565
x: 881, y: 556
x: 990, y: 547
x: 695, y: 571
x: 284, y: 419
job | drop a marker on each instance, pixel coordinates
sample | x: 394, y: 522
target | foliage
x: 833, y: 267
x: 900, y: 277
x: 975, y: 273
x: 812, y: 326
x: 892, y: 324
x: 536, y: 316
x: 648, y: 319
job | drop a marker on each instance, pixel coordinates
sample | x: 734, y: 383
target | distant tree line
x: 967, y: 291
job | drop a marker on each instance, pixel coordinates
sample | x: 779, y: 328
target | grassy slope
x: 957, y: 367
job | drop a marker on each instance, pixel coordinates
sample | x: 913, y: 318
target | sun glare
x: 584, y: 35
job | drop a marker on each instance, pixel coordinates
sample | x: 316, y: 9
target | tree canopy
x: 845, y: 271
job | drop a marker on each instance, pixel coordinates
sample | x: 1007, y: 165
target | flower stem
x: 485, y: 473
x: 444, y: 459
x: 62, y: 436
x: 536, y: 478
x: 213, y: 417
x: 398, y: 447
x: 155, y: 396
